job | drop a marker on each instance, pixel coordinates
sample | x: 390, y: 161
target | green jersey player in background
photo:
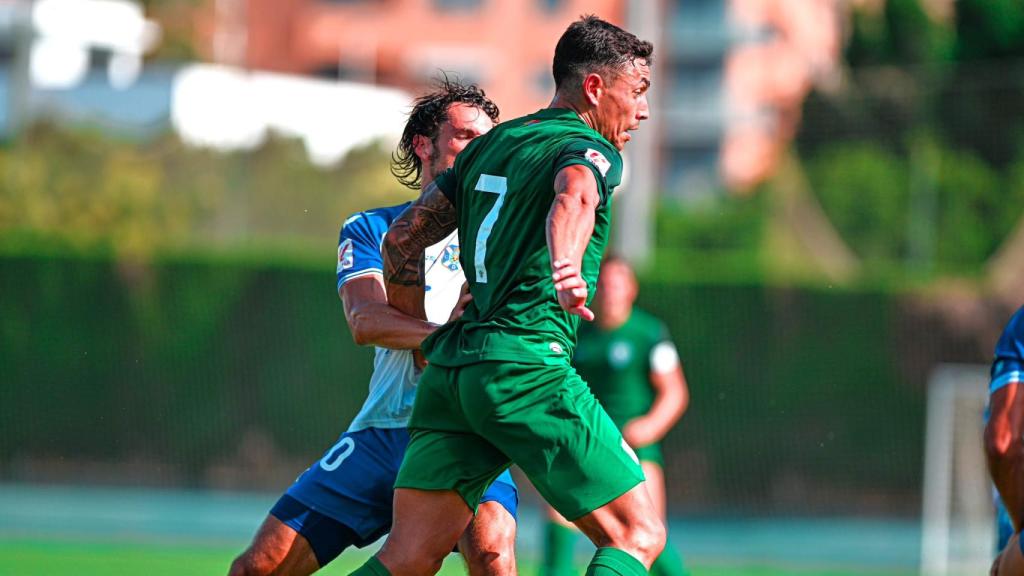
x: 631, y: 365
x: 531, y: 200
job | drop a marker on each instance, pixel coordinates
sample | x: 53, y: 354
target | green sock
x: 373, y: 567
x: 559, y: 542
x: 670, y: 563
x: 615, y: 562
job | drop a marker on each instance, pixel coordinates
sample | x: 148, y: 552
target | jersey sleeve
x: 359, y: 248
x: 1008, y: 365
x: 663, y: 357
x: 446, y: 182
x: 604, y: 161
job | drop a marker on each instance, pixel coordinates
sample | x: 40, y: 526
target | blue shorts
x: 346, y: 498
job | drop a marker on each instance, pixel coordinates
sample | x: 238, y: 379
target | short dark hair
x: 591, y: 44
x: 428, y: 113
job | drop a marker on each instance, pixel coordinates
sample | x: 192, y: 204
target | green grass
x: 33, y: 557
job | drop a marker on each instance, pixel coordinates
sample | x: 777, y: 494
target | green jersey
x: 502, y: 186
x: 617, y: 364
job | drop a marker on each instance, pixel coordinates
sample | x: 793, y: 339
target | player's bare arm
x: 570, y: 225
x: 428, y: 220
x: 671, y: 398
x: 372, y: 321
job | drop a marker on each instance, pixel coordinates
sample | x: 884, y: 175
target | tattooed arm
x: 428, y: 220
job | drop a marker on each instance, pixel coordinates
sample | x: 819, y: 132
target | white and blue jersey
x: 1008, y: 364
x: 393, y: 384
x: 345, y: 498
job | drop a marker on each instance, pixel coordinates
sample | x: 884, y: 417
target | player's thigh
x: 554, y: 516
x: 548, y: 422
x: 276, y: 549
x: 629, y: 523
x: 427, y: 525
x: 655, y: 485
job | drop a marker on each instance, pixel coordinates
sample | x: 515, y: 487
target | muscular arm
x: 425, y: 222
x: 671, y: 397
x: 372, y: 321
x: 570, y: 225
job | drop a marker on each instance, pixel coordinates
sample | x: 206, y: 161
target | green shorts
x: 651, y: 453
x: 469, y: 423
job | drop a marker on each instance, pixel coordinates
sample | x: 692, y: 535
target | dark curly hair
x: 428, y: 113
x: 591, y: 45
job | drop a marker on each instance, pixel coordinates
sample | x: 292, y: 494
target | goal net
x: 958, y: 514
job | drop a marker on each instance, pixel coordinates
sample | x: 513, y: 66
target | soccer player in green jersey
x: 531, y: 200
x: 633, y: 369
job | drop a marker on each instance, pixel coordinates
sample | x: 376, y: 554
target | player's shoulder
x: 1017, y: 321
x: 647, y: 323
x: 644, y: 318
x: 373, y: 222
x: 1014, y: 330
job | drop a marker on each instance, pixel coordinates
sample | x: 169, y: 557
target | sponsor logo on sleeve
x: 345, y: 255
x: 598, y: 160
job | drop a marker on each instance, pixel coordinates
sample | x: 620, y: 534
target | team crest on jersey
x: 450, y: 257
x: 345, y: 257
x: 598, y: 160
x: 620, y: 354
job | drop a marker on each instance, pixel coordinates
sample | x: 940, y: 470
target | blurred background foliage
x: 84, y: 191
x: 914, y: 157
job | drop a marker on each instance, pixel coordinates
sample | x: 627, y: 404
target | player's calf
x: 630, y: 524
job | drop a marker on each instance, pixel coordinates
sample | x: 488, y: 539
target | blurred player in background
x: 1004, y: 438
x: 345, y: 499
x: 531, y: 200
x: 631, y: 365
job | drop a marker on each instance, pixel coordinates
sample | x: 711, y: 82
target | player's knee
x: 248, y: 564
x: 646, y: 539
x: 491, y: 550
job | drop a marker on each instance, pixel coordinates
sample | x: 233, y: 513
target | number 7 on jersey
x: 492, y: 185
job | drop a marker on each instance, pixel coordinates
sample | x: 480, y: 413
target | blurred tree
x: 948, y: 199
x: 864, y: 191
x: 983, y: 105
x: 88, y: 191
x: 900, y: 33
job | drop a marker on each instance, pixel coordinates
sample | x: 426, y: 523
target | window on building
x: 458, y: 4
x: 550, y: 5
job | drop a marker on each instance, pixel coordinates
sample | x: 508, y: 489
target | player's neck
x: 560, y: 101
x: 425, y: 180
x: 611, y: 322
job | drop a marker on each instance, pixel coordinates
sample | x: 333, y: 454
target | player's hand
x: 571, y: 289
x: 460, y: 307
x: 639, y: 433
x: 419, y: 360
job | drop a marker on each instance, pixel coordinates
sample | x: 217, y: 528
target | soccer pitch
x: 59, y: 557
x: 57, y: 531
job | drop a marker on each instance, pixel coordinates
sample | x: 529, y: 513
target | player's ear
x: 423, y: 148
x: 593, y: 88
